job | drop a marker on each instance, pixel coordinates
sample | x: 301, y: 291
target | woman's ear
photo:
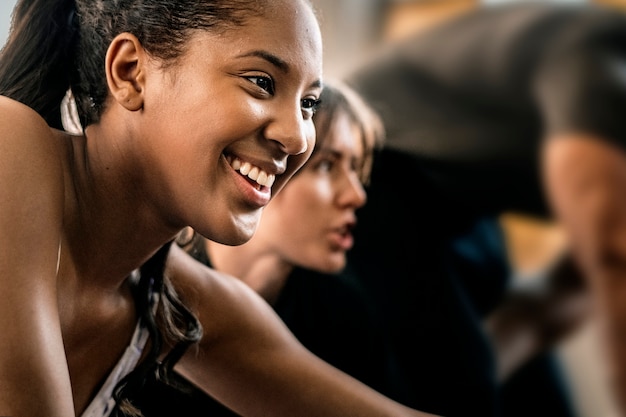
x: 125, y: 67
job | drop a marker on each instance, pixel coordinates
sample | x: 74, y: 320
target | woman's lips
x: 342, y: 239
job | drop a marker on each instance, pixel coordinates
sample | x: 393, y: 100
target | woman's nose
x: 292, y: 131
x: 352, y: 194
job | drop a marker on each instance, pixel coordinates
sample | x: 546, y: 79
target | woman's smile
x: 254, y: 183
x: 254, y: 173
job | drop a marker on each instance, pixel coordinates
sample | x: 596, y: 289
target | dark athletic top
x: 466, y: 106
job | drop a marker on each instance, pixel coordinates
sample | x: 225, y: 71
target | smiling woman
x: 97, y: 303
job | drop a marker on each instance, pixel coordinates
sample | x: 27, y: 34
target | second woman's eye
x: 263, y: 82
x: 325, y: 163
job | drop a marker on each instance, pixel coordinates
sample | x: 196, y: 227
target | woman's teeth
x: 254, y: 173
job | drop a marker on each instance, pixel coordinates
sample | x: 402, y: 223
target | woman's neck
x: 107, y: 231
x: 263, y: 271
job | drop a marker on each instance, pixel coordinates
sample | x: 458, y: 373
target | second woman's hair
x: 337, y: 97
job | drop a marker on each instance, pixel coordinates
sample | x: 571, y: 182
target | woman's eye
x: 325, y: 165
x: 310, y: 105
x: 265, y: 83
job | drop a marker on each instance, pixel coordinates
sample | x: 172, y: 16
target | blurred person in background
x: 466, y: 105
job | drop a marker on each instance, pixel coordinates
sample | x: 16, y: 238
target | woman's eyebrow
x: 271, y: 58
x: 277, y: 62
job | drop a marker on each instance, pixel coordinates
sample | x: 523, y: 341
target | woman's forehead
x: 294, y: 23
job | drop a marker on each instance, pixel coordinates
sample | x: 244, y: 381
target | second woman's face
x: 309, y: 223
x: 230, y: 123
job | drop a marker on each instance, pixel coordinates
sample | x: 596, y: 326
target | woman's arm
x: 34, y: 379
x: 249, y: 359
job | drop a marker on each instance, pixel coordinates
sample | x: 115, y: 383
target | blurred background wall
x: 5, y: 16
x: 353, y: 28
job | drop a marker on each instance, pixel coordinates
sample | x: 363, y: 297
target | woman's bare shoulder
x: 14, y: 114
x: 31, y: 207
x: 29, y: 148
x: 23, y: 130
x: 210, y: 293
x: 32, y: 179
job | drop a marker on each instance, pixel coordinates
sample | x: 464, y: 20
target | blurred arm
x: 537, y: 313
x: 586, y: 180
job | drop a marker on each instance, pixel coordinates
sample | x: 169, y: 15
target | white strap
x: 103, y: 403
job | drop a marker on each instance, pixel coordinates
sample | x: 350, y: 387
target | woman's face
x: 229, y: 124
x: 309, y: 224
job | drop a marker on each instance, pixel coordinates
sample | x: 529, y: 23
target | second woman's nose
x: 352, y: 192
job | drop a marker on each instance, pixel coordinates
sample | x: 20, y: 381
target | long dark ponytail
x: 37, y: 60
